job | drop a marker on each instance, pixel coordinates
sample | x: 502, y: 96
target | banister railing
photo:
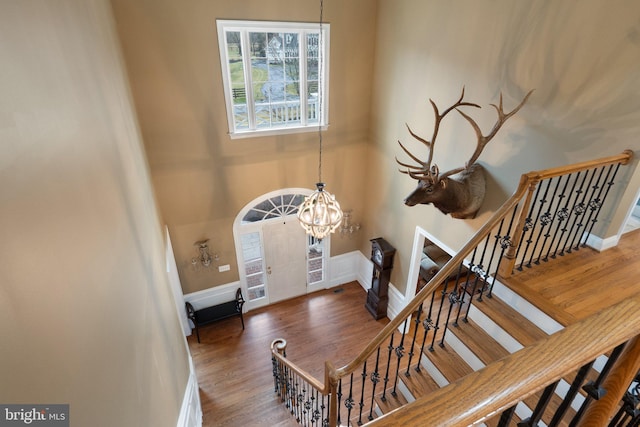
x: 470, y: 274
x: 503, y: 384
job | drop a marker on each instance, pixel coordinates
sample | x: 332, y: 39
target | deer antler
x: 482, y: 139
x: 424, y: 170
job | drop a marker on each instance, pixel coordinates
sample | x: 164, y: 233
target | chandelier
x: 320, y: 213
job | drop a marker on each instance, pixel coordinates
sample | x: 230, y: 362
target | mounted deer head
x: 459, y: 191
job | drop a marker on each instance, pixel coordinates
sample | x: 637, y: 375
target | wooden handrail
x: 495, y: 388
x: 622, y: 158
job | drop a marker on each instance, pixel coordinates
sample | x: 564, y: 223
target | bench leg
x: 198, y: 334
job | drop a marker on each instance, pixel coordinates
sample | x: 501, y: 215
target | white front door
x: 285, y: 246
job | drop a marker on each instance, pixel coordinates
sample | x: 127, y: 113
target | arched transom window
x: 274, y: 207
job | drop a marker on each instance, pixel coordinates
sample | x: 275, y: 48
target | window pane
x: 313, y: 40
x: 234, y: 51
x: 240, y: 117
x: 258, y: 43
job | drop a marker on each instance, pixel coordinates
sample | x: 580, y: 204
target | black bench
x: 207, y: 315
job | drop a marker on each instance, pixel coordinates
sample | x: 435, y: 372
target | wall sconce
x: 347, y: 228
x: 204, y: 258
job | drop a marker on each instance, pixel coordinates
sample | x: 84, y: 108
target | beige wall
x: 388, y: 58
x: 86, y: 314
x: 202, y: 178
x: 582, y: 59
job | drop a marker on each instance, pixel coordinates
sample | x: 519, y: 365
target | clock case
x: 382, y: 254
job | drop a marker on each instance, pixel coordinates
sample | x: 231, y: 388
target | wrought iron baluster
x: 324, y: 410
x: 599, y: 207
x: 427, y: 325
x: 477, y: 271
x: 307, y: 395
x: 416, y: 324
x: 452, y: 299
x: 443, y: 294
x: 560, y: 215
x: 506, y: 416
x: 399, y: 355
x: 466, y: 284
x: 457, y: 294
x: 533, y: 223
x: 484, y: 273
x: 386, y: 375
x: 349, y: 402
x: 571, y: 394
x: 505, y: 244
x: 566, y: 214
x: 364, y: 381
x: 543, y: 220
x: 375, y: 379
x: 290, y: 392
x: 526, y: 227
x: 434, y: 326
x: 317, y: 413
x: 535, y: 417
x: 579, y: 210
x: 548, y: 219
x: 494, y: 252
x: 339, y: 396
x: 297, y: 398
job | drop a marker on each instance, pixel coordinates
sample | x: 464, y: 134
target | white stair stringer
x: 463, y: 351
x: 525, y: 308
x: 433, y: 371
x: 493, y: 329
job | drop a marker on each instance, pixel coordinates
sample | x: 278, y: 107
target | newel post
x: 616, y: 384
x: 331, y: 381
x: 508, y: 262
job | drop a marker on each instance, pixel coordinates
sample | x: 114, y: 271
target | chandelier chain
x: 320, y: 90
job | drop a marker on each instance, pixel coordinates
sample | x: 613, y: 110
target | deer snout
x: 409, y: 202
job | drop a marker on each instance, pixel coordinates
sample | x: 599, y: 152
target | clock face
x: 377, y: 256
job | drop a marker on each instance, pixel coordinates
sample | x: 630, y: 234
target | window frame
x: 302, y: 28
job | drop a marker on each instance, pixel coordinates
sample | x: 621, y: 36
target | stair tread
x: 449, y: 363
x: 419, y: 383
x: 390, y: 402
x: 483, y: 345
x: 519, y: 327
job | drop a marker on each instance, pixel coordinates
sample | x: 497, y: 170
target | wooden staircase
x: 493, y: 330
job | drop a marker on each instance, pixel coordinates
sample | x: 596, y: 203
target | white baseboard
x: 213, y: 296
x: 191, y: 410
x: 600, y: 244
x: 345, y: 268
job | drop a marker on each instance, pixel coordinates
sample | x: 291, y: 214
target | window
x: 272, y: 76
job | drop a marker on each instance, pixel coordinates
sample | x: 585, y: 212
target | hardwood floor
x: 234, y: 366
x: 576, y: 285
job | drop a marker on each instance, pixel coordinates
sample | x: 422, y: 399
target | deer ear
x: 443, y: 184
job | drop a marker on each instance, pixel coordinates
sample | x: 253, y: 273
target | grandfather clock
x: 377, y: 296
